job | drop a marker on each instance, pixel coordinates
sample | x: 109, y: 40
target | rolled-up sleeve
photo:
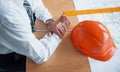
x: 16, y: 35
x: 41, y: 12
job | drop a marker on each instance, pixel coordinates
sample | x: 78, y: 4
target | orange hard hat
x: 93, y: 39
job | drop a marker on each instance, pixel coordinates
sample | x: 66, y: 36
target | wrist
x: 49, y: 21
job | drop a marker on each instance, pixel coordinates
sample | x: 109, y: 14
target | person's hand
x: 59, y: 27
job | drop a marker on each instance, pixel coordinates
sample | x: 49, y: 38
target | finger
x: 49, y: 33
x: 65, y: 20
x: 65, y: 28
x: 61, y: 29
x: 68, y: 21
x: 58, y: 33
x: 62, y: 18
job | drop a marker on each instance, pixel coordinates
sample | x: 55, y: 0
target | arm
x: 16, y: 36
x: 58, y: 27
x: 41, y: 12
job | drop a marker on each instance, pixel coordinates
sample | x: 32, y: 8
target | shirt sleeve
x: 41, y: 12
x: 15, y: 35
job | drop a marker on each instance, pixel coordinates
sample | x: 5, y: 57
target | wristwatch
x: 49, y: 20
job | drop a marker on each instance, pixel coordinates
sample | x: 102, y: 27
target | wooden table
x: 66, y: 58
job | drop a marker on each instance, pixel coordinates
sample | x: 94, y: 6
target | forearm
x: 38, y: 50
x: 16, y: 35
x: 50, y: 44
x: 41, y: 12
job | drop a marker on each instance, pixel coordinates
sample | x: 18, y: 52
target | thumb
x: 49, y: 33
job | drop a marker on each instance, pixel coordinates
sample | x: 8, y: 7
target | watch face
x: 49, y: 20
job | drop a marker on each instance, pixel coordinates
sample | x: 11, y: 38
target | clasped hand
x: 58, y: 27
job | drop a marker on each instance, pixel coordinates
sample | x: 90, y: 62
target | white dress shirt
x: 15, y: 31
